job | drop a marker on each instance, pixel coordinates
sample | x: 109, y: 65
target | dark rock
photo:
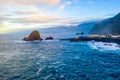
x: 77, y: 33
x: 98, y: 39
x: 34, y: 35
x: 49, y: 38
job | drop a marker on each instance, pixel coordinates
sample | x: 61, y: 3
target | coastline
x: 98, y: 39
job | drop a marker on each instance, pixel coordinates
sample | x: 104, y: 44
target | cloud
x: 24, y: 14
x: 68, y: 2
x: 30, y: 2
x: 62, y: 7
x: 38, y: 19
x: 109, y: 15
x: 35, y: 17
x: 71, y: 24
x: 90, y: 2
x: 27, y: 12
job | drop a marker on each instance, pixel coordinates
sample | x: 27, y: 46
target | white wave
x: 22, y: 41
x: 51, y: 40
x: 39, y: 70
x: 104, y: 46
x: 19, y: 41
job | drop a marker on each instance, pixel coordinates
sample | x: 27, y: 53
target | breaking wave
x: 104, y: 46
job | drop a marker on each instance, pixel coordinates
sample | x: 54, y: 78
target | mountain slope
x: 108, y: 26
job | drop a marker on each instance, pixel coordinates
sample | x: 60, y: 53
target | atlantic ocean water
x: 59, y: 60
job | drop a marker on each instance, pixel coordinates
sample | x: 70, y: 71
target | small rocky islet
x: 49, y: 38
x: 35, y: 35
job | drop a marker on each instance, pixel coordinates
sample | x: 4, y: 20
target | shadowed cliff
x: 108, y: 26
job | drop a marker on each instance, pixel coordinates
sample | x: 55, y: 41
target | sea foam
x: 104, y: 46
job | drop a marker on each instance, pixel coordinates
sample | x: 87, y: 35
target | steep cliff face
x: 34, y: 35
x: 108, y: 26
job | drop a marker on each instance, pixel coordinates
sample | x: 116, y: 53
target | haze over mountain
x: 56, y: 32
x: 108, y: 26
x: 63, y: 31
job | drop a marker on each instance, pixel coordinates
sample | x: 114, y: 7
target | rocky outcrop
x: 49, y: 38
x: 98, y: 39
x: 34, y: 35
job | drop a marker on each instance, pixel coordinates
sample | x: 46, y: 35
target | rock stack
x: 34, y: 35
x: 49, y: 38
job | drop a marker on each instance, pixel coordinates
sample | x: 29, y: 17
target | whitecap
x: 104, y: 46
x: 19, y: 41
x: 55, y: 40
x: 40, y: 69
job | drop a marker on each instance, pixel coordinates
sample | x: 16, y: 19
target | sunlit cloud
x: 31, y: 2
x: 38, y: 19
x: 27, y: 14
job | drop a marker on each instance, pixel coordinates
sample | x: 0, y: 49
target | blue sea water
x: 59, y: 60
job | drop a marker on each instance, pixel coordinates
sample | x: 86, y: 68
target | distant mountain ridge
x: 56, y: 32
x: 108, y: 26
x: 68, y: 32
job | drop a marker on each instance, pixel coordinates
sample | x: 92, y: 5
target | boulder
x: 34, y: 35
x: 49, y: 38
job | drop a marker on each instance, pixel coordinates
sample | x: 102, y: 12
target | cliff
x: 108, y: 26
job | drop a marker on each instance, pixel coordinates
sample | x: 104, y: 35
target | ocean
x: 59, y: 60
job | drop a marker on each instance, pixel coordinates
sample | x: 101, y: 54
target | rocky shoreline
x: 35, y: 35
x: 98, y: 39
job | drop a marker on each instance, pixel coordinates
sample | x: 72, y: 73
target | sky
x: 16, y: 15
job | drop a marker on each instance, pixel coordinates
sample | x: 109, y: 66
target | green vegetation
x: 108, y: 26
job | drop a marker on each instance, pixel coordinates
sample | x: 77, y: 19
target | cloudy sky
x: 18, y: 15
